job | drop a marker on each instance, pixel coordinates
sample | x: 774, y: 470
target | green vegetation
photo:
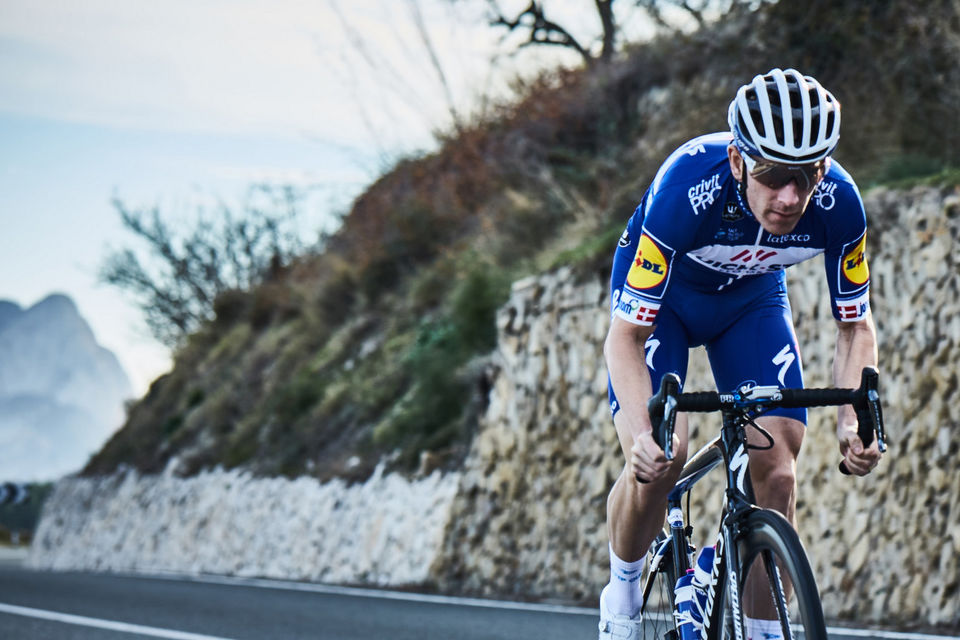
x: 374, y: 347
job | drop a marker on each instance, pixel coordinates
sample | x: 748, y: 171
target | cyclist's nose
x: 789, y: 194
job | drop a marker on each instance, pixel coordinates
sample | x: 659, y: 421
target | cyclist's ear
x: 736, y: 162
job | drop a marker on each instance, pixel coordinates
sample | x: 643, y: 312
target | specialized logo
x: 824, y: 197
x: 649, y: 267
x: 624, y: 239
x: 652, y: 345
x: 785, y: 358
x: 703, y: 195
x: 738, y: 463
x: 854, y: 264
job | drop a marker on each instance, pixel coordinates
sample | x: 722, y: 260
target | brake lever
x: 869, y: 413
x: 663, y: 415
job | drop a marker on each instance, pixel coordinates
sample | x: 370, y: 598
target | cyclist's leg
x: 635, y: 511
x: 761, y: 348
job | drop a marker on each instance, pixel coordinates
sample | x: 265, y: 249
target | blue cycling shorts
x: 748, y: 334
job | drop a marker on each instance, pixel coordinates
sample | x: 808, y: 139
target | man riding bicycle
x: 702, y: 262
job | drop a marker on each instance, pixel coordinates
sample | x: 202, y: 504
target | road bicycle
x: 753, y: 544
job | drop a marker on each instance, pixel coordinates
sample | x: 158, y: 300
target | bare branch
x: 178, y: 282
x: 541, y: 30
x: 435, y: 62
x: 605, y: 9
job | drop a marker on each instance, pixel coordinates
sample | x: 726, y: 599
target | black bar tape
x: 699, y: 401
x: 796, y: 398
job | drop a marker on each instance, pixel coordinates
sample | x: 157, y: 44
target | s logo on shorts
x: 649, y: 267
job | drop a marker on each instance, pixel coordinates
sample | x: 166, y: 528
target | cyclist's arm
x: 626, y: 363
x: 856, y: 349
x: 623, y: 350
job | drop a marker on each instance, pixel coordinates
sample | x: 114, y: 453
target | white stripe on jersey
x: 691, y: 148
x: 748, y: 260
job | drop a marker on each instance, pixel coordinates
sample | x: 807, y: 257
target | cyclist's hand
x: 860, y: 460
x: 647, y: 459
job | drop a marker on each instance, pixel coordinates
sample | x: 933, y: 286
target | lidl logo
x: 649, y: 267
x: 855, y: 267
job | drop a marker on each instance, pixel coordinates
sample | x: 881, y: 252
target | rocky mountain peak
x: 61, y: 393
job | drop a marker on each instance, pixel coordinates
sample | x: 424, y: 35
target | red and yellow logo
x: 855, y: 267
x: 649, y: 267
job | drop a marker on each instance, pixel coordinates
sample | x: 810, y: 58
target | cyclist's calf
x: 630, y: 504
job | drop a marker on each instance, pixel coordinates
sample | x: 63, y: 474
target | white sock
x: 758, y: 629
x: 623, y: 593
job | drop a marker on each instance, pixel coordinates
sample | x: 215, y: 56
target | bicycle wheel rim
x: 777, y: 585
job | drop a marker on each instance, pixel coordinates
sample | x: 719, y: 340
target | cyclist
x: 701, y: 262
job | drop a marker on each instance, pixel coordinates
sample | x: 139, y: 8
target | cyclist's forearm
x: 626, y: 363
x: 856, y: 349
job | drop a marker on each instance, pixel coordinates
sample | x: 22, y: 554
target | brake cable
x: 766, y: 434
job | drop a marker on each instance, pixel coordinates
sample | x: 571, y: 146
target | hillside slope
x: 376, y: 347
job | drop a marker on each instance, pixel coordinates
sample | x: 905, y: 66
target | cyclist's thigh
x: 760, y: 348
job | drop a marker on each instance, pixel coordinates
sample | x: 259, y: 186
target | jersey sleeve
x: 845, y: 256
x: 664, y: 236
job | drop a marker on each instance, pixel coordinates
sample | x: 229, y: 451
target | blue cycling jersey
x: 696, y: 233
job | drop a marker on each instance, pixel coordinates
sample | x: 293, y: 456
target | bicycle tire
x: 661, y: 578
x: 771, y: 545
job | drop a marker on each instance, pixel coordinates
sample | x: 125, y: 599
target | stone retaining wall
x: 526, y: 515
x: 385, y: 532
x: 529, y: 518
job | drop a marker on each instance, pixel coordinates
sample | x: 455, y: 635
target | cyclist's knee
x: 775, y: 487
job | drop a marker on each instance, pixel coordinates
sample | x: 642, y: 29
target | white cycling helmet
x: 786, y: 117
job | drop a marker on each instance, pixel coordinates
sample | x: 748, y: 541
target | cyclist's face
x: 778, y: 210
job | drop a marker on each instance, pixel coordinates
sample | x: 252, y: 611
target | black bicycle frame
x: 730, y: 449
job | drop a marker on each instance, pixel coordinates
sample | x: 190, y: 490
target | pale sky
x: 181, y: 101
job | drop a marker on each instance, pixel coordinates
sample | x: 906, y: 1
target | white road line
x: 329, y: 589
x: 111, y: 625
x: 358, y: 592
x: 887, y: 635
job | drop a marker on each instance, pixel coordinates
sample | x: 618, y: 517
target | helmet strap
x: 742, y: 194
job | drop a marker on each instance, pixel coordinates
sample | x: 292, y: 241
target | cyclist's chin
x: 778, y: 223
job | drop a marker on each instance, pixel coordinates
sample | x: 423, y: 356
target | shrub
x: 231, y: 306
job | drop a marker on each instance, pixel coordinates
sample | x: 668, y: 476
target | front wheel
x: 777, y: 589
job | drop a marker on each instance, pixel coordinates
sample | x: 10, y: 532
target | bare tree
x: 668, y: 15
x: 543, y: 31
x: 178, y: 279
x: 701, y: 11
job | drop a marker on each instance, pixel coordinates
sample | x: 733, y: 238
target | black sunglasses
x: 776, y: 176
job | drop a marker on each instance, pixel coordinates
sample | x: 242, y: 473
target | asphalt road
x: 83, y: 606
